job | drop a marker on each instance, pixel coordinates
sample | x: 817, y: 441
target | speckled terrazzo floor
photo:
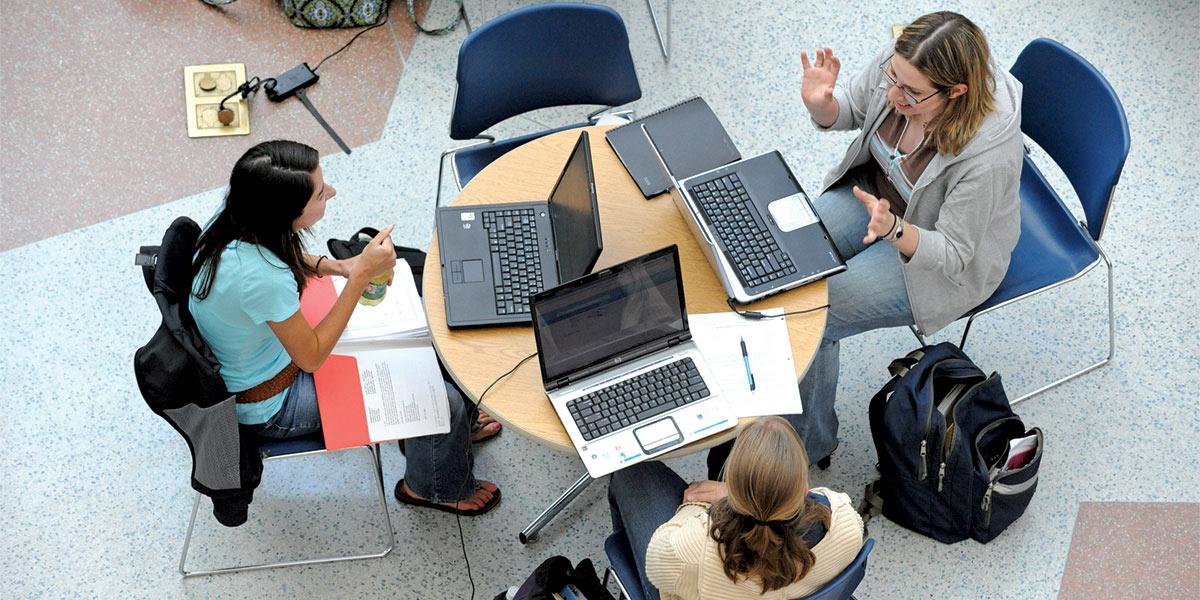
x: 94, y: 492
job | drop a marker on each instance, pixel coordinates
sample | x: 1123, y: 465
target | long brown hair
x: 759, y: 527
x: 269, y: 187
x: 949, y: 49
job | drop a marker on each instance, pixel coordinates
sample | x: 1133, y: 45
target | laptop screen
x: 574, y: 216
x: 608, y: 314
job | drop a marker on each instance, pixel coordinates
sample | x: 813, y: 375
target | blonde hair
x: 949, y: 49
x: 760, y: 525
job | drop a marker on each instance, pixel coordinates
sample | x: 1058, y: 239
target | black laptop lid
x: 574, y: 214
x: 611, y: 316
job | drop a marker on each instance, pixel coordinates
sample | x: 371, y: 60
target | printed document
x: 402, y: 392
x: 767, y: 361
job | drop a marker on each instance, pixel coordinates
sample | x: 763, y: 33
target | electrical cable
x: 755, y: 315
x: 459, y: 15
x: 382, y: 22
x: 458, y: 517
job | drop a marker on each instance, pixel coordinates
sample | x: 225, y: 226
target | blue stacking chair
x: 623, y: 569
x: 272, y: 450
x: 531, y: 58
x: 1070, y: 110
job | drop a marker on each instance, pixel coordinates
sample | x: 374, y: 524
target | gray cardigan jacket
x: 966, y: 205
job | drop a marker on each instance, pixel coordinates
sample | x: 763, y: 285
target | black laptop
x: 494, y: 256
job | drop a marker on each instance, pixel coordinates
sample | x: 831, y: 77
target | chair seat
x: 468, y: 162
x: 616, y: 547
x: 1052, y: 246
x: 268, y: 447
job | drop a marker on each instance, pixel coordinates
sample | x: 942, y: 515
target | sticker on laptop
x: 467, y: 215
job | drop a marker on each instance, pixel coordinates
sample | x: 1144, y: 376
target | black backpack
x: 180, y: 380
x: 942, y: 429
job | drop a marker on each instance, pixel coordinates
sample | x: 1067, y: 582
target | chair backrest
x: 844, y: 585
x: 1072, y: 112
x: 538, y: 57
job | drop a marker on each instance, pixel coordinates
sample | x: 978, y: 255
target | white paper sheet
x: 400, y: 316
x: 769, y: 352
x: 403, y: 393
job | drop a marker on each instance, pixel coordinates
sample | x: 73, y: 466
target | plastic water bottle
x: 376, y: 289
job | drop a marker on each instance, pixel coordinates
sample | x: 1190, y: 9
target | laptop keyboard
x: 512, y: 237
x: 756, y: 256
x: 638, y: 399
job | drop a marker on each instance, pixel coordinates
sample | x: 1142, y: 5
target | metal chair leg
x: 665, y: 46
x: 1088, y: 369
x: 376, y: 461
x: 530, y: 533
x: 622, y: 593
x: 920, y: 338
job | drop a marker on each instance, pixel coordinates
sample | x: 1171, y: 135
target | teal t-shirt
x: 252, y: 286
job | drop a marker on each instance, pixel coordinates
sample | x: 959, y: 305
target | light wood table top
x: 630, y: 226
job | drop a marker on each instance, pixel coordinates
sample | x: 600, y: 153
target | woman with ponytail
x: 250, y: 268
x: 762, y: 533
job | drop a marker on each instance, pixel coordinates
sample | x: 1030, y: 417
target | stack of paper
x: 400, y: 316
x: 382, y: 381
x: 752, y: 361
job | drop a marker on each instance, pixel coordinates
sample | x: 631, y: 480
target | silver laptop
x: 755, y: 225
x: 619, y: 365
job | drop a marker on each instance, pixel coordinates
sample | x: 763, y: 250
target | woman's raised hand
x: 880, y: 210
x: 816, y: 89
x: 377, y: 257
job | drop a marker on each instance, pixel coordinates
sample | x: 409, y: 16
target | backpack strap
x: 901, y: 366
x: 147, y: 259
x: 872, y: 504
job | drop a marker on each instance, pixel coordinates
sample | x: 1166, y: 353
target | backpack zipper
x: 921, y: 468
x: 941, y: 476
x: 987, y: 504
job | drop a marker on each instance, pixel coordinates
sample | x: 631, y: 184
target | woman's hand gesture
x: 816, y: 89
x: 377, y: 257
x: 880, y: 210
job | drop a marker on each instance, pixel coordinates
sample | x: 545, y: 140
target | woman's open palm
x: 816, y: 89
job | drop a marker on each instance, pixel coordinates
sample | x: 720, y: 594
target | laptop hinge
x: 677, y: 340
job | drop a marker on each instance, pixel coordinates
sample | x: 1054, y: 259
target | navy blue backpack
x: 942, y: 432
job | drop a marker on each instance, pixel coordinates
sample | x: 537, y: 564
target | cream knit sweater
x: 684, y: 563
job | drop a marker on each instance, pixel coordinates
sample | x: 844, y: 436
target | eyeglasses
x: 911, y: 99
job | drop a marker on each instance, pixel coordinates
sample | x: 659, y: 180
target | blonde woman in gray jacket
x: 924, y: 204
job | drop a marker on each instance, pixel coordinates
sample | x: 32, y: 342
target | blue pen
x: 746, y: 361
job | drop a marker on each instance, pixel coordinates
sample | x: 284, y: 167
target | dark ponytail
x: 269, y: 187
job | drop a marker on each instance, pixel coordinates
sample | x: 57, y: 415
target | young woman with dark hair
x: 250, y: 269
x: 760, y: 534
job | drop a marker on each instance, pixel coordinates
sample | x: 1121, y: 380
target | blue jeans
x: 869, y: 294
x: 642, y: 498
x: 298, y: 415
x: 439, y: 467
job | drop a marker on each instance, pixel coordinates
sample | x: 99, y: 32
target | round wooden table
x: 630, y: 226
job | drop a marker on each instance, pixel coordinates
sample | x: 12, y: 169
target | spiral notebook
x: 689, y: 136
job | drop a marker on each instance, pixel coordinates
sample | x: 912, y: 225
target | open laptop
x: 619, y: 365
x: 495, y: 256
x: 755, y: 224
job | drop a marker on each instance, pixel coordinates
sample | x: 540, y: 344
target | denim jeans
x: 641, y: 498
x: 298, y: 415
x: 439, y: 467
x: 869, y: 294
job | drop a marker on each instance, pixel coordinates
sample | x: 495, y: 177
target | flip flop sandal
x: 477, y: 427
x: 405, y: 498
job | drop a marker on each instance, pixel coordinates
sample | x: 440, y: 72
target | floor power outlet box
x: 204, y: 86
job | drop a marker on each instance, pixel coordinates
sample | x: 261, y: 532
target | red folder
x: 339, y: 389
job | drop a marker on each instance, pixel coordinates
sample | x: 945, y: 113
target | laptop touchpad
x: 658, y: 435
x: 792, y: 213
x: 472, y: 271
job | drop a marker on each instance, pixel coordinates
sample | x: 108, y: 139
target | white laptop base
x: 652, y: 437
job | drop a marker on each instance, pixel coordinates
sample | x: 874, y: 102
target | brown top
x: 631, y: 226
x: 893, y: 173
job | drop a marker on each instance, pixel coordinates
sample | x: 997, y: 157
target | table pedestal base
x: 530, y: 533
